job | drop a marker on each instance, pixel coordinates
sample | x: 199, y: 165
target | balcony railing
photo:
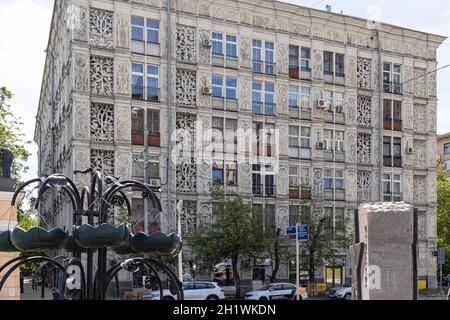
x: 393, y: 87
x: 148, y: 48
x: 264, y: 67
x: 264, y: 108
x: 143, y: 93
x: 260, y: 190
x: 221, y: 103
x: 137, y: 138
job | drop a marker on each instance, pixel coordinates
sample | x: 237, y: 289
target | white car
x: 341, y: 293
x: 194, y: 291
x: 277, y: 291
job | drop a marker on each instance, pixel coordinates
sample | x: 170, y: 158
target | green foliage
x: 11, y: 134
x: 443, y: 214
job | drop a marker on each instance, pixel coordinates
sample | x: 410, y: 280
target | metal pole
x: 440, y: 271
x: 146, y: 206
x: 297, y: 250
x: 381, y: 110
x: 180, y: 255
x: 169, y: 107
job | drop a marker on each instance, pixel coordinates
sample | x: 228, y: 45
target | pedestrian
x: 34, y: 282
x: 21, y: 283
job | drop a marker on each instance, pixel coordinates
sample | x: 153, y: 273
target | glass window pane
x: 152, y: 70
x: 137, y: 21
x: 153, y: 24
x: 138, y: 68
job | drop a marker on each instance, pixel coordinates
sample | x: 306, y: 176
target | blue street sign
x: 303, y: 232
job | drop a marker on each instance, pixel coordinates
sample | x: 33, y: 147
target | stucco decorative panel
x: 204, y: 53
x: 351, y: 109
x: 282, y: 99
x: 282, y: 218
x: 122, y: 30
x: 283, y: 181
x: 123, y: 76
x: 82, y: 120
x: 186, y: 85
x: 102, y: 123
x: 351, y: 188
x: 79, y: 22
x: 245, y: 178
x: 408, y: 186
x: 317, y: 64
x: 81, y: 72
x: 188, y: 6
x: 283, y: 55
x: 264, y: 21
x: 81, y: 161
x: 186, y: 44
x: 432, y: 154
x: 364, y: 186
x: 351, y: 147
x: 420, y: 189
x: 364, y: 111
x: 432, y: 117
x: 420, y: 82
x: 351, y: 70
x: 204, y: 80
x: 364, y: 70
x: 420, y: 118
x: 185, y: 125
x: 364, y: 148
x: 408, y: 87
x: 103, y: 160
x: 432, y: 84
x: 101, y: 29
x: 188, y: 217
x: 317, y: 188
x: 245, y: 52
x: 187, y: 177
x: 124, y: 165
x: 102, y: 76
x: 245, y: 98
x: 123, y: 122
x: 408, y: 114
x: 204, y: 178
x: 205, y: 213
x: 432, y: 187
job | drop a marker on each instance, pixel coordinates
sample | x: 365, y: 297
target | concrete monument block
x: 385, y: 252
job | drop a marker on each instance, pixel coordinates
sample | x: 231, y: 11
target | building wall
x: 92, y: 54
x: 444, y: 155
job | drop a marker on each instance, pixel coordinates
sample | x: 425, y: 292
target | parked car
x: 196, y: 290
x: 341, y: 293
x: 277, y: 291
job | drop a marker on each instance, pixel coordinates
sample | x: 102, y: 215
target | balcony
x: 260, y: 190
x: 393, y: 87
x: 392, y: 125
x: 149, y: 48
x: 146, y: 94
x: 137, y: 138
x: 221, y: 103
x: 264, y: 108
x: 296, y: 152
x: 269, y: 68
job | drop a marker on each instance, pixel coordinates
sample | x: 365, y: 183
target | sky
x: 24, y: 30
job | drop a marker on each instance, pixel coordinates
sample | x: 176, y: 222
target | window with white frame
x: 293, y: 177
x: 392, y: 77
x: 334, y: 140
x: 299, y: 142
x: 145, y: 31
x: 299, y: 97
x: 305, y: 97
x: 217, y: 44
x: 334, y: 63
x: 306, y: 59
x: 231, y: 46
x: 263, y: 56
x: 145, y: 82
x: 333, y: 179
x: 392, y: 187
x: 305, y: 178
x: 264, y: 98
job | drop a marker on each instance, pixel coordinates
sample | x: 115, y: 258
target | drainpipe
x: 380, y: 110
x: 169, y: 103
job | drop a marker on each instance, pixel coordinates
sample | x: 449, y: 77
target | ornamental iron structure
x: 74, y: 277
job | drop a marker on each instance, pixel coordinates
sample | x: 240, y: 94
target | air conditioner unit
x: 156, y: 183
x: 321, y: 104
x: 320, y: 145
x: 206, y: 91
x: 206, y: 42
x: 410, y: 150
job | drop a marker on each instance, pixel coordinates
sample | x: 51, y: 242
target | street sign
x: 441, y: 256
x: 303, y: 232
x: 291, y: 231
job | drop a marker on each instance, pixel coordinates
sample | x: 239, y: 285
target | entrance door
x: 334, y: 277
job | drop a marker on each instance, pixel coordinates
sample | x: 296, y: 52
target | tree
x: 11, y: 135
x: 443, y: 214
x: 232, y: 235
x: 325, y: 240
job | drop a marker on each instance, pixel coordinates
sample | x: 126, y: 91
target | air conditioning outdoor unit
x: 156, y: 183
x: 410, y: 150
x: 320, y: 145
x: 206, y: 91
x: 321, y: 104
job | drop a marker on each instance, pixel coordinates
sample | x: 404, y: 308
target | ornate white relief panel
x: 432, y: 187
x: 351, y: 109
x: 408, y: 184
x: 82, y: 120
x: 101, y: 29
x: 420, y: 189
x: 432, y: 153
x: 264, y: 21
x: 420, y: 154
x: 245, y: 178
x: 351, y: 147
x: 432, y: 84
x: 420, y: 118
x: 123, y: 76
x: 364, y: 111
x: 283, y: 181
x: 81, y: 72
x: 364, y: 70
x: 204, y: 80
x: 79, y: 21
x: 204, y: 178
x: 81, y: 161
x: 123, y: 122
x: 168, y: 217
x: 283, y: 55
x: 204, y: 52
x: 317, y: 187
x: 245, y: 98
x: 102, y: 123
x: 245, y: 52
x: 103, y: 160
x: 187, y: 6
x: 408, y: 87
x: 188, y: 217
x: 204, y: 8
x: 185, y: 125
x: 351, y: 187
x: 123, y: 168
x: 205, y: 213
x: 122, y: 30
x: 351, y: 70
x: 317, y: 64
x: 376, y: 73
x: 102, y: 76
x: 408, y: 116
x: 187, y: 177
x: 432, y: 117
x: 186, y: 84
x: 282, y: 218
x: 364, y: 186
x: 282, y: 99
x: 186, y: 44
x: 420, y: 82
x: 364, y: 148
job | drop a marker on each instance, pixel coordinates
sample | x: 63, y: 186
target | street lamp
x: 180, y: 255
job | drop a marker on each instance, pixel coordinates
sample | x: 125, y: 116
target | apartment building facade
x: 443, y: 146
x: 343, y: 110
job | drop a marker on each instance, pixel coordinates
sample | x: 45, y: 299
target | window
x: 263, y: 57
x: 299, y: 142
x: 145, y: 36
x: 145, y: 82
x: 392, y: 114
x: 392, y: 187
x: 217, y: 44
x: 153, y: 127
x: 333, y: 184
x: 334, y: 64
x: 447, y: 148
x: 295, y: 60
x: 217, y: 172
x: 306, y: 59
x: 306, y: 97
x: 334, y: 101
x: 339, y: 179
x: 339, y: 219
x: 392, y: 78
x: 263, y: 180
x: 231, y: 173
x: 392, y: 151
x: 231, y: 46
x: 328, y: 181
x: 339, y: 65
x: 293, y: 97
x: 293, y: 177
x: 299, y: 97
x: 138, y: 167
x: 447, y: 164
x: 231, y: 88
x: 328, y: 62
x: 217, y: 84
x: 264, y: 98
x: 294, y: 215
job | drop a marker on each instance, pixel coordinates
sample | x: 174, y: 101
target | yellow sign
x: 321, y: 287
x: 422, y: 284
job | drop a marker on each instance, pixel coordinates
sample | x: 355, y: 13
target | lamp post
x: 180, y: 255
